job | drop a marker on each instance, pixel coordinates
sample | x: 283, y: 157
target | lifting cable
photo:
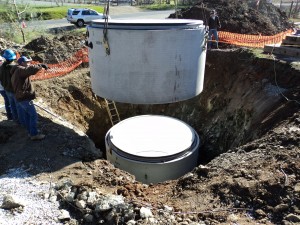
x: 275, y: 77
x: 176, y: 5
x: 105, y: 29
x: 202, y: 6
x: 206, y: 24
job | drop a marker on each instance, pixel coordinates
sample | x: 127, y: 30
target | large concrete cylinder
x: 153, y: 148
x: 150, y: 61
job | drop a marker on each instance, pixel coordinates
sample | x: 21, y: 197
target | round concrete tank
x: 149, y: 61
x: 153, y: 148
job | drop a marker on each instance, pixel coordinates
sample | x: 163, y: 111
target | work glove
x: 44, y: 66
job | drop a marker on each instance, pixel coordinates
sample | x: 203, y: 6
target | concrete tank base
x: 153, y: 148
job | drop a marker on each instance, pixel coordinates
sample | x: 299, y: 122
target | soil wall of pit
x: 241, y: 101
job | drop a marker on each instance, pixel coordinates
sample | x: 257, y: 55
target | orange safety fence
x: 81, y: 56
x: 247, y: 40
x: 64, y: 67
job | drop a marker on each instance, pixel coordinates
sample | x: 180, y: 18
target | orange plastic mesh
x: 64, y: 67
x: 247, y: 40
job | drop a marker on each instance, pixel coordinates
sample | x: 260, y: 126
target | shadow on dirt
x: 62, y: 147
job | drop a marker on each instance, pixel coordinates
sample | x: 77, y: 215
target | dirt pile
x: 47, y: 50
x: 5, y: 44
x: 241, y: 17
x: 55, y: 50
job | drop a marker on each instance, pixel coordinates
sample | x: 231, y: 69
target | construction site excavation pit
x: 241, y: 101
x: 247, y: 118
x: 153, y: 148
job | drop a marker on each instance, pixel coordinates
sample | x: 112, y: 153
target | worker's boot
x: 37, y: 137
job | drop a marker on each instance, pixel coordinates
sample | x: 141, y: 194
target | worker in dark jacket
x: 5, y: 80
x: 213, y: 25
x: 3, y: 93
x: 25, y: 93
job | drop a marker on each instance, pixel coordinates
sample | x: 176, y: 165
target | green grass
x: 61, y: 12
x: 158, y: 6
x: 40, y: 12
x: 259, y: 53
x: 15, y: 36
x: 163, y: 6
x: 13, y: 33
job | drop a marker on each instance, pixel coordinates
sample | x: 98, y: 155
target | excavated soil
x: 54, y: 50
x: 247, y: 117
x: 242, y: 17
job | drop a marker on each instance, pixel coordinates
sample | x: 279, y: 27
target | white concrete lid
x: 152, y: 136
x: 146, y: 24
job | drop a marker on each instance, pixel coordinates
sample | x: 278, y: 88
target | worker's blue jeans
x: 30, y: 116
x: 213, y: 32
x: 13, y: 105
x: 7, y: 105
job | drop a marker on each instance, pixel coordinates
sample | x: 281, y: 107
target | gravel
x: 40, y: 207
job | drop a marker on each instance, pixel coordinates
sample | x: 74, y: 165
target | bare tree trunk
x: 18, y: 14
x: 296, y: 10
x: 62, y: 3
x: 291, y: 9
x: 23, y: 35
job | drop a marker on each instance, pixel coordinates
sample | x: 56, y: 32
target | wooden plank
x: 290, y: 43
x: 293, y: 38
x: 281, y: 50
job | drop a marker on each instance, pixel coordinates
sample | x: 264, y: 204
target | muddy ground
x: 247, y: 117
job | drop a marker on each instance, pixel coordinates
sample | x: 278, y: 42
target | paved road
x: 117, y: 12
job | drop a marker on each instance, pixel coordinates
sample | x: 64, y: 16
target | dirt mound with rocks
x: 241, y: 17
x: 4, y: 44
x: 58, y: 49
x: 47, y: 50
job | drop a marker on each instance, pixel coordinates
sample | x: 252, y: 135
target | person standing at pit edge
x: 25, y: 93
x: 213, y: 25
x: 3, y: 93
x: 5, y: 80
